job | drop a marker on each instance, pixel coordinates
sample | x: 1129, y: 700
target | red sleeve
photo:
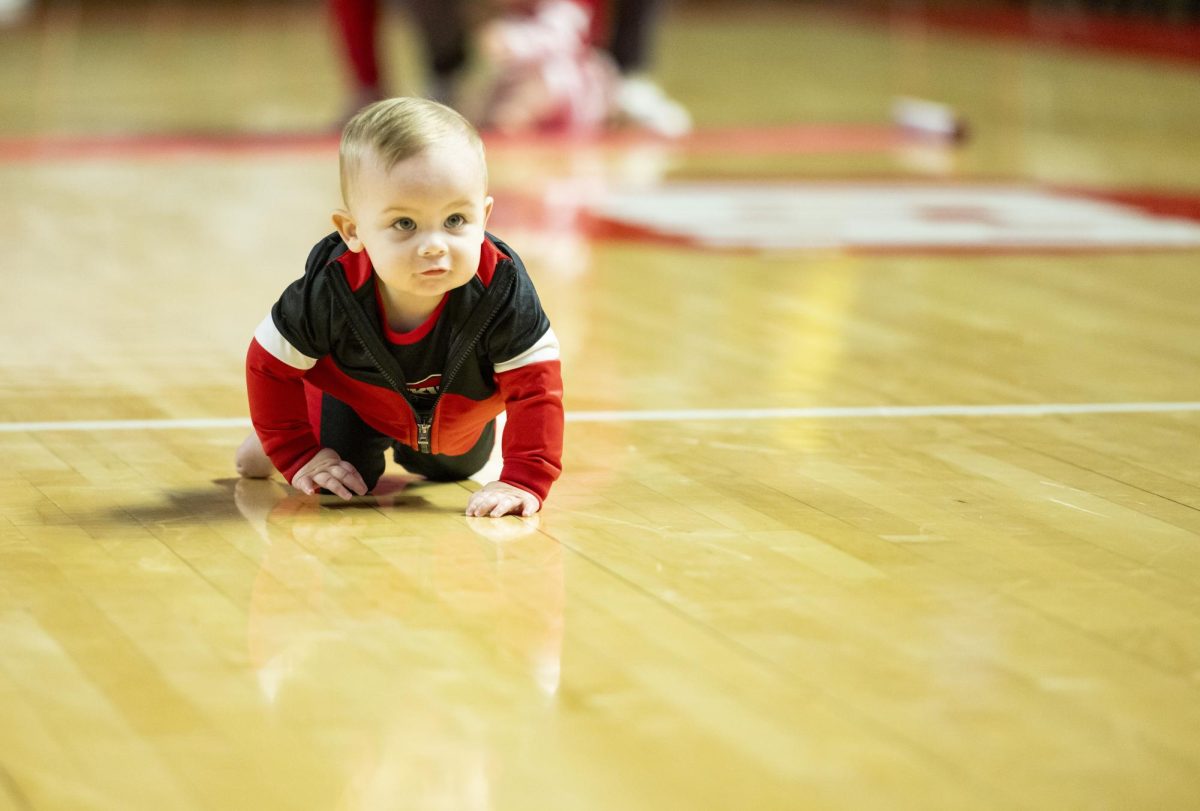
x: 278, y: 410
x: 533, y: 437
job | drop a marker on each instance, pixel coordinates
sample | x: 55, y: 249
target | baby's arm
x: 532, y: 443
x: 280, y: 416
x: 524, y: 353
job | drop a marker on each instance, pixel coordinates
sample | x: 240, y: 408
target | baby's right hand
x: 329, y: 471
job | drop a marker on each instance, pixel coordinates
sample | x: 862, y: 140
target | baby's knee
x: 251, y: 461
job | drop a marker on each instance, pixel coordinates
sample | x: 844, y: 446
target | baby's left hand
x: 497, y: 498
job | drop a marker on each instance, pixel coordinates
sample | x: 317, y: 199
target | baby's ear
x: 487, y: 210
x: 346, y: 226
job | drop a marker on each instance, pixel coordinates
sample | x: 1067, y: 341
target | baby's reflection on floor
x: 404, y: 626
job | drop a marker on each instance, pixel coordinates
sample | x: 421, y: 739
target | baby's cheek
x: 470, y: 256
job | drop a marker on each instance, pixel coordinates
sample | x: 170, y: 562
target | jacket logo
x: 425, y: 387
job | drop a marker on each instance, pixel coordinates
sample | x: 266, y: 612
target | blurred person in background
x: 540, y: 71
x: 550, y: 64
x: 441, y: 27
x: 630, y: 40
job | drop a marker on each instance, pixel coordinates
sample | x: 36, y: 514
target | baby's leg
x: 251, y: 461
x: 440, y: 467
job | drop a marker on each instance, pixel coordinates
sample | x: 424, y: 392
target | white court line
x: 686, y: 415
x: 861, y: 412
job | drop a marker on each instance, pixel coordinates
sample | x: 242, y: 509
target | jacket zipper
x: 425, y: 422
x: 425, y: 426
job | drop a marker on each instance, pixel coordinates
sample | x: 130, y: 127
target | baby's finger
x: 523, y: 505
x: 481, y: 504
x: 351, y: 478
x: 331, y: 483
x: 506, y: 505
x: 304, y: 484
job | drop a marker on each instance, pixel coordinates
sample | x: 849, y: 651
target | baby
x: 411, y: 330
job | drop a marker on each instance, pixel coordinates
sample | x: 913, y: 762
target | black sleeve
x: 521, y: 321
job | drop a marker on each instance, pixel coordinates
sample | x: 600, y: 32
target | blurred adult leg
x: 631, y: 32
x: 632, y: 27
x: 442, y: 27
x: 357, y: 26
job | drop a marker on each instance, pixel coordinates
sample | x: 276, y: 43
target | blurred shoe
x: 642, y: 103
x: 928, y: 119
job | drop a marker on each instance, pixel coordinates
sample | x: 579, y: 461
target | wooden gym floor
x: 854, y: 516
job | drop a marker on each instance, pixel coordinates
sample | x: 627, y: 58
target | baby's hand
x: 497, y: 499
x: 328, y: 470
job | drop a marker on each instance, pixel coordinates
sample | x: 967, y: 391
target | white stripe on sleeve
x: 545, y: 349
x: 270, y: 339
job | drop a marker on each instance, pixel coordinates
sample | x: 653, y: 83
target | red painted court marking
x: 795, y: 139
x: 55, y: 148
x: 1164, y: 204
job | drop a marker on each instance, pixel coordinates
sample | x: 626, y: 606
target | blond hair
x: 396, y: 129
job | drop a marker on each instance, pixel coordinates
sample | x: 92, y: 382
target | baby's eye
x: 456, y: 221
x: 404, y: 224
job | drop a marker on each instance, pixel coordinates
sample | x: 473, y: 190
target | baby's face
x: 422, y: 222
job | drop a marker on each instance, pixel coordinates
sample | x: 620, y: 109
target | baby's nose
x: 433, y: 246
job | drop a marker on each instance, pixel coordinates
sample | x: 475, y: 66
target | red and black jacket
x: 326, y: 331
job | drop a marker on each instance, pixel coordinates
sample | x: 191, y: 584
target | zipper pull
x: 423, y: 431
